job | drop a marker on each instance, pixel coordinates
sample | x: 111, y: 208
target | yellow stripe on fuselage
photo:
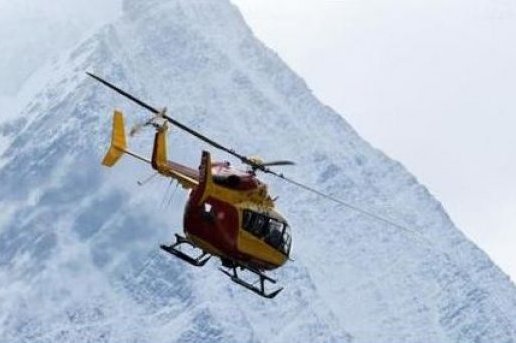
x: 253, y: 246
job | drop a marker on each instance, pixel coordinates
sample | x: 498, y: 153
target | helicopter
x: 229, y: 213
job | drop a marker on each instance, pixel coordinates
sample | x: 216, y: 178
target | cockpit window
x: 229, y: 181
x: 259, y: 226
x: 274, y: 232
x: 287, y: 239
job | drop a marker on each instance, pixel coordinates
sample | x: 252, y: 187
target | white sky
x: 431, y: 83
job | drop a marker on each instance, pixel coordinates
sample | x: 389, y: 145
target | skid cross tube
x: 233, y: 275
x: 198, y: 261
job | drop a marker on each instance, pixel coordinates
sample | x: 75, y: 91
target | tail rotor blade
x: 135, y: 129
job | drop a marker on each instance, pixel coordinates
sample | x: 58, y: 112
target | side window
x: 255, y: 223
x: 264, y: 230
x: 258, y: 224
x: 247, y: 218
x: 275, y: 237
x: 229, y: 181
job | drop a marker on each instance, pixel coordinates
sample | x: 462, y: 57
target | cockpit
x: 274, y: 232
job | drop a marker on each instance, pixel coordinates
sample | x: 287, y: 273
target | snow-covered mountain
x: 78, y: 243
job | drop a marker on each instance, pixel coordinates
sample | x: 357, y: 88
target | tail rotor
x: 151, y: 121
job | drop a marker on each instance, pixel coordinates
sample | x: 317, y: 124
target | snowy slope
x: 78, y: 242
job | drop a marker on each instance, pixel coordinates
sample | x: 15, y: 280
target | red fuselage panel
x: 215, y: 222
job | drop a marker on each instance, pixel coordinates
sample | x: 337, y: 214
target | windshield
x: 287, y: 239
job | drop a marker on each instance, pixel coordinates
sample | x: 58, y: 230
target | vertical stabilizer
x: 118, y: 141
x: 159, y: 152
x: 205, y: 179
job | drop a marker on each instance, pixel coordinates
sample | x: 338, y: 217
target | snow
x: 78, y: 246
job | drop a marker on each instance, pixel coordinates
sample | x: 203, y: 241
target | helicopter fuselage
x: 231, y: 215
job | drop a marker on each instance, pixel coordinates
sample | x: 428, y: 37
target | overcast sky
x: 431, y: 83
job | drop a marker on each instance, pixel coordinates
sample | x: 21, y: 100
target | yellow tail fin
x: 118, y: 142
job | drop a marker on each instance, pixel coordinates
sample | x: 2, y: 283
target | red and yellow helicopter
x: 229, y: 212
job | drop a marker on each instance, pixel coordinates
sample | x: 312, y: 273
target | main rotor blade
x: 343, y: 203
x: 278, y: 163
x: 124, y: 93
x: 183, y: 127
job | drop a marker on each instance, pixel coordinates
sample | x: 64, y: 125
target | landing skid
x: 174, y: 249
x: 201, y: 259
x: 260, y: 290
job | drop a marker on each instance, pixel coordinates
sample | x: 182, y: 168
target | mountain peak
x: 208, y: 13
